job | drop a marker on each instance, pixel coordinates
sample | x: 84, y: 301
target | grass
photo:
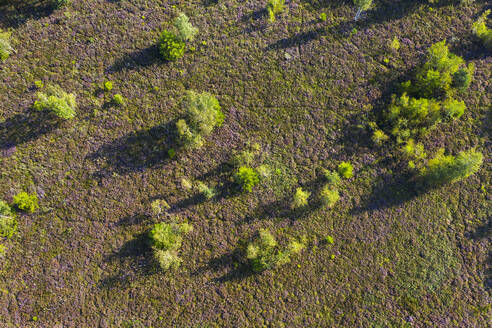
x: 304, y: 90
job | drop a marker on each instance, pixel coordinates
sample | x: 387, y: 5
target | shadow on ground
x: 485, y: 232
x: 14, y: 13
x: 138, y: 150
x: 138, y: 59
x: 25, y: 127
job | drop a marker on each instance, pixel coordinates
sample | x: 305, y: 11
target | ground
x: 303, y: 89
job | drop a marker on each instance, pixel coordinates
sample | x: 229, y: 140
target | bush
x: 332, y: 177
x: 56, y: 100
x: 362, y: 6
x: 8, y: 223
x: 186, y: 31
x: 205, y: 190
x: 329, y: 196
x: 463, y: 77
x: 481, y: 30
x: 171, y: 47
x: 263, y: 253
x: 435, y: 77
x: 26, y: 202
x: 247, y: 178
x: 5, y: 47
x: 166, y: 239
x: 108, y: 86
x: 444, y: 169
x: 118, y: 99
x: 203, y: 114
x: 300, y: 198
x: 453, y: 109
x: 159, y: 207
x: 274, y: 7
x: 378, y: 137
x: 414, y: 151
x: 346, y: 170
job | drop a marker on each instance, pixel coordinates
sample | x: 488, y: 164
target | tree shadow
x: 14, y: 13
x: 233, y: 261
x: 296, y: 40
x: 138, y: 150
x: 485, y: 232
x: 140, y: 255
x: 25, y: 127
x: 321, y: 4
x: 132, y: 220
x: 140, y: 58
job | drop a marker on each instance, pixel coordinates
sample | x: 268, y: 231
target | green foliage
x: 300, y: 198
x: 247, y: 178
x: 274, y: 7
x: 59, y: 3
x: 435, y: 77
x: 56, y: 100
x: 118, y: 99
x: 166, y: 239
x: 186, y: 31
x: 452, y: 108
x: 171, y: 47
x: 206, y: 191
x: 203, y: 114
x: 481, y: 30
x: 379, y: 137
x: 8, y: 222
x: 346, y: 170
x: 5, y: 47
x: 322, y: 16
x: 332, y: 177
x: 362, y: 6
x: 414, y: 151
x: 264, y: 253
x: 329, y: 196
x: 444, y: 169
x: 463, y: 77
x: 108, y: 86
x: 26, y: 202
x: 243, y: 158
x: 159, y: 207
x: 329, y: 240
x: 395, y: 44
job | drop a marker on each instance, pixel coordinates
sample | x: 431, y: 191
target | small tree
x: 274, y: 7
x: 362, y: 6
x: 346, y: 170
x: 300, y: 198
x: 171, y: 47
x: 57, y: 101
x: 8, y: 222
x: 166, y: 239
x: 329, y: 196
x: 481, y: 30
x: 26, y: 202
x: 5, y: 47
x: 247, y: 178
x: 186, y: 31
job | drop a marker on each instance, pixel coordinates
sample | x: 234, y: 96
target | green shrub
x: 329, y: 196
x: 452, y: 108
x: 481, y: 30
x: 8, y: 222
x: 5, y: 47
x: 26, y: 202
x: 243, y: 158
x: 159, y: 207
x: 444, y: 169
x: 56, y: 100
x: 435, y: 77
x: 108, y: 86
x: 346, y: 170
x: 206, y: 191
x: 332, y: 177
x: 414, y: 151
x: 203, y: 114
x: 247, y: 178
x: 379, y: 137
x: 118, y: 99
x: 362, y: 5
x: 59, y: 3
x: 274, y: 7
x: 300, y: 198
x: 166, y: 239
x: 264, y: 253
x: 463, y: 77
x: 186, y: 31
x: 171, y: 47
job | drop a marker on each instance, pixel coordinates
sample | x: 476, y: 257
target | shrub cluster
x: 8, y: 222
x: 5, y: 47
x: 172, y: 44
x: 264, y: 253
x: 26, y: 202
x: 166, y: 239
x: 203, y: 114
x: 274, y: 7
x: 443, y: 169
x: 56, y: 100
x: 481, y: 30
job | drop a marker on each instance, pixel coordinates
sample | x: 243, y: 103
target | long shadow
x: 14, y: 13
x: 485, y: 232
x: 321, y: 4
x: 296, y: 40
x: 139, y: 252
x: 138, y: 150
x: 25, y: 127
x: 140, y: 58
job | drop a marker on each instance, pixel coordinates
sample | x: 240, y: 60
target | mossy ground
x: 301, y: 88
